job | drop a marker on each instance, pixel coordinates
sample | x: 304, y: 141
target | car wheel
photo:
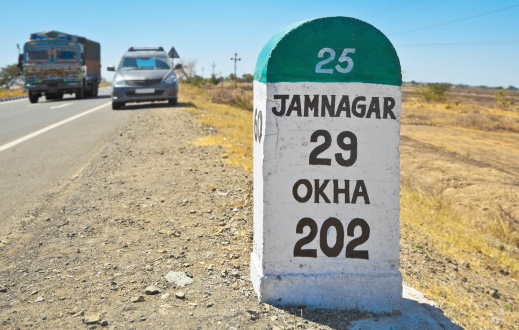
x: 117, y: 105
x: 173, y: 102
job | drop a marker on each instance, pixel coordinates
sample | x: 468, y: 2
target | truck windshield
x: 66, y: 54
x: 37, y: 54
x: 145, y: 63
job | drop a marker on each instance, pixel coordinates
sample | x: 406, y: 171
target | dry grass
x: 505, y: 227
x: 455, y: 235
x: 461, y: 197
x: 231, y: 124
x: 450, y: 234
x: 239, y: 97
x: 11, y: 92
x: 470, y: 116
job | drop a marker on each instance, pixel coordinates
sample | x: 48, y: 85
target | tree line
x: 9, y: 75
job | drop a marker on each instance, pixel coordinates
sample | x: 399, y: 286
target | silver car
x: 145, y: 75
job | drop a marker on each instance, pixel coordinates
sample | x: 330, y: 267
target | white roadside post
x: 327, y: 103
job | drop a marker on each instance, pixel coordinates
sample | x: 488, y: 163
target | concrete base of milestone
x: 380, y: 293
x: 399, y: 307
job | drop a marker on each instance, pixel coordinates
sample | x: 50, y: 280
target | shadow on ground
x: 154, y: 105
x: 414, y: 315
x: 72, y: 98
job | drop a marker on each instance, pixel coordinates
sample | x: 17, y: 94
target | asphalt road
x: 44, y: 145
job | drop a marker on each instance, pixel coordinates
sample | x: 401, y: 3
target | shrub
x: 435, y: 92
x: 237, y: 97
x: 197, y: 81
x: 503, y: 101
x: 213, y: 80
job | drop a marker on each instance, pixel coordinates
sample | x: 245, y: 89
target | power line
x: 462, y: 44
x: 412, y: 11
x: 391, y: 8
x: 455, y: 21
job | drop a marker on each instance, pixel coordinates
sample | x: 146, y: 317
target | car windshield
x: 145, y: 63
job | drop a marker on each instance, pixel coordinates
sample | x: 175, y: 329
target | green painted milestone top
x: 329, y: 49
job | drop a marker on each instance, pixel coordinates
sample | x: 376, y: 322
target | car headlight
x: 121, y: 83
x: 169, y: 80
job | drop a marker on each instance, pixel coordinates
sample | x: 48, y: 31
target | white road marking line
x: 60, y: 106
x: 48, y: 128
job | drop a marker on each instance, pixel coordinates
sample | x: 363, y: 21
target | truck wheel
x: 173, y: 102
x: 117, y: 105
x: 90, y: 92
x: 80, y: 93
x: 33, y: 97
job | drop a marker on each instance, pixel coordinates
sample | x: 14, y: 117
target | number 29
x: 343, y: 58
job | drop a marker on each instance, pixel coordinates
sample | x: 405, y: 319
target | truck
x: 56, y: 63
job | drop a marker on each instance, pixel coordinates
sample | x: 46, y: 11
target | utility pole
x: 235, y: 60
x: 213, y: 65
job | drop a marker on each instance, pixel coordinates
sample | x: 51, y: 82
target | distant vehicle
x: 145, y: 74
x: 56, y: 63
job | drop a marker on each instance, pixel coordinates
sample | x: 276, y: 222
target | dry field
x: 459, y: 204
x: 459, y: 194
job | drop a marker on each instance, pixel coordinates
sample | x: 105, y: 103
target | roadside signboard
x: 327, y: 101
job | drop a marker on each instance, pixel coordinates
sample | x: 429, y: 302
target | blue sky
x: 474, y: 42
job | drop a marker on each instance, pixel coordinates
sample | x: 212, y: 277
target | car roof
x: 140, y: 54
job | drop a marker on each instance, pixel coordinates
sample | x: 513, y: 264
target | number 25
x: 342, y: 58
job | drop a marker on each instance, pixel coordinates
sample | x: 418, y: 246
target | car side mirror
x: 110, y: 68
x: 178, y: 66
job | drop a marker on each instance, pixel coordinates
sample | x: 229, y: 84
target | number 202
x: 343, y: 58
x: 335, y: 250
